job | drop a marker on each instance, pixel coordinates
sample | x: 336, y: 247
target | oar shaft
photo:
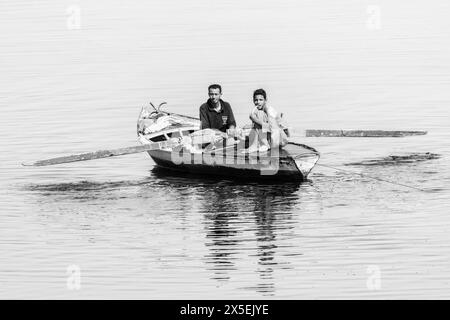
x: 182, y: 115
x: 361, y: 133
x: 103, y: 154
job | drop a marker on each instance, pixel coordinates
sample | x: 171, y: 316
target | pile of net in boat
x: 157, y: 121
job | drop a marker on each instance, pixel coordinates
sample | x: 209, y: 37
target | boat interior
x: 160, y: 126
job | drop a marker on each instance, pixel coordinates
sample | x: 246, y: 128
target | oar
x: 353, y: 133
x: 362, y: 133
x: 104, y: 153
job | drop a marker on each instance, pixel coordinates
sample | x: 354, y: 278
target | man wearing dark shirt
x: 216, y: 113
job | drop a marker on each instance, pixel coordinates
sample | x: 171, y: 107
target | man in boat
x: 216, y: 113
x: 266, y: 125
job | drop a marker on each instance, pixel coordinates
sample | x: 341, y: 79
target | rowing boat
x: 177, y: 142
x: 211, y: 152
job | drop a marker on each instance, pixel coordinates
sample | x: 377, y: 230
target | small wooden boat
x: 210, y: 152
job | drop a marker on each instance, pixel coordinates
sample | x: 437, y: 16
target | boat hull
x: 237, y: 166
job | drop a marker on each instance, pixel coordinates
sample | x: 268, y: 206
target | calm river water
x: 74, y: 75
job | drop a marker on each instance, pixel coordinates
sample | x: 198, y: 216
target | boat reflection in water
x: 244, y: 226
x: 221, y: 235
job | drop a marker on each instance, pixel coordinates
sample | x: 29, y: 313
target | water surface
x: 136, y: 231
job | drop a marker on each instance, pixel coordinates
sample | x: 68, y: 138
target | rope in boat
x: 375, y: 178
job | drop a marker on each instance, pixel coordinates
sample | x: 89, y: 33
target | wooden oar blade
x: 103, y: 154
x: 361, y: 133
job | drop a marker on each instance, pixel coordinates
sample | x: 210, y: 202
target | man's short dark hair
x: 259, y: 92
x: 215, y: 86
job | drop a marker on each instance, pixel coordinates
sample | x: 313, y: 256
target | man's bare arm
x: 255, y: 120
